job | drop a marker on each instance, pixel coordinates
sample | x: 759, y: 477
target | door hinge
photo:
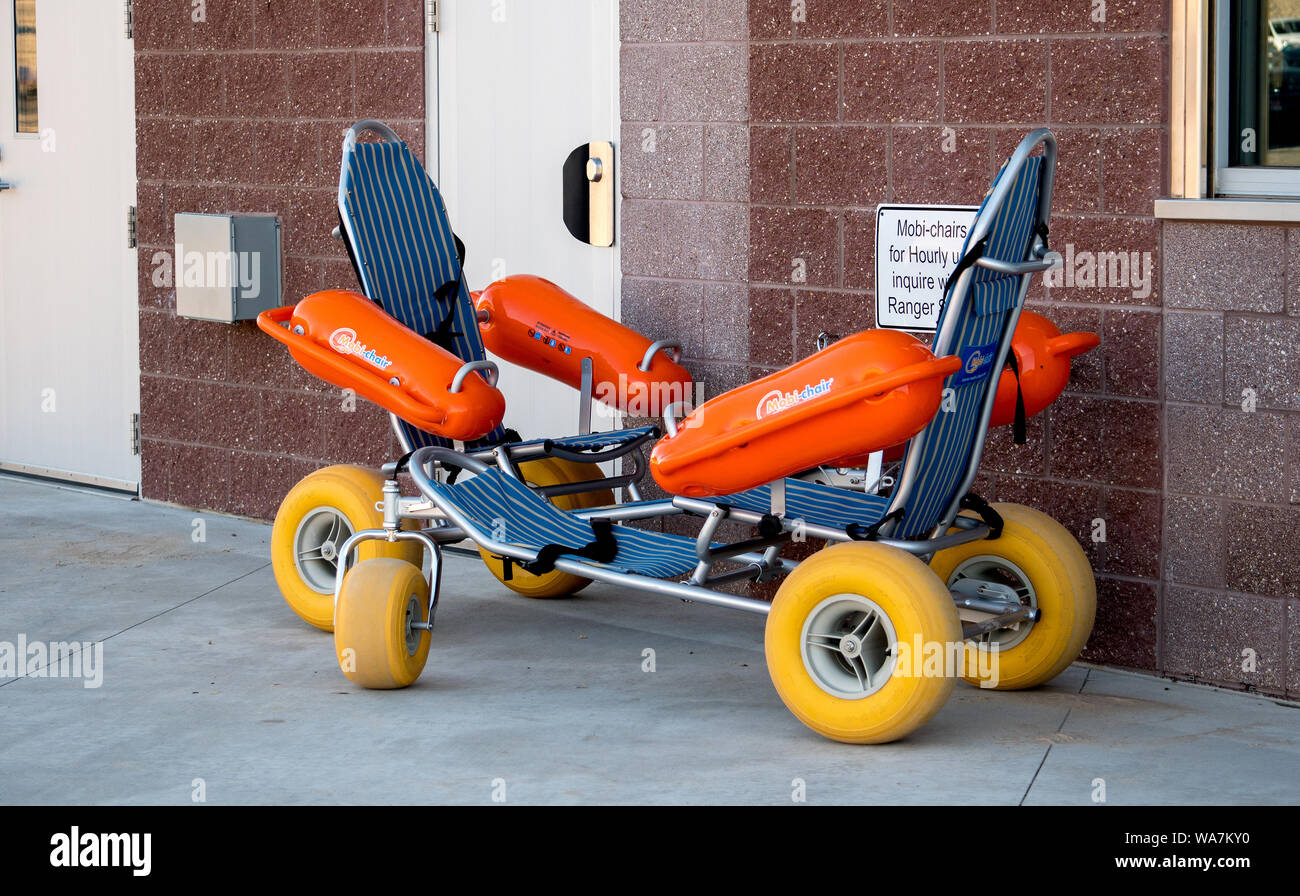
x: 132, y: 228
x: 431, y: 16
x: 128, y: 18
x: 135, y: 433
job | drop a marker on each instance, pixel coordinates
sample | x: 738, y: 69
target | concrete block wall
x: 245, y: 112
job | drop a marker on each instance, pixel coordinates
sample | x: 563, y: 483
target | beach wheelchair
x: 409, y: 264
x: 923, y: 582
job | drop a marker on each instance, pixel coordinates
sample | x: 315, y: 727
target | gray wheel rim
x: 316, y: 544
x: 413, y: 614
x: 999, y: 571
x: 848, y: 645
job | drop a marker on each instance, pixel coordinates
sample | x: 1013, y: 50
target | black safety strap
x: 404, y: 461
x: 1018, y: 427
x: 859, y: 532
x: 977, y: 251
x: 507, y: 566
x: 445, y: 294
x: 451, y: 289
x: 401, y: 464
x: 448, y: 291
x: 444, y: 335
x: 991, y: 517
x: 974, y: 254
x: 602, y: 550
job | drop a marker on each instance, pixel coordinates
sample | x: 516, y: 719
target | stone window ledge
x: 1242, y: 210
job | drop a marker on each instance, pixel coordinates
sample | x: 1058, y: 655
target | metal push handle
x: 466, y: 369
x: 672, y: 347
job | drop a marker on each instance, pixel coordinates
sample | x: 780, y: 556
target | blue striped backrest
x: 947, y: 443
x: 405, y: 250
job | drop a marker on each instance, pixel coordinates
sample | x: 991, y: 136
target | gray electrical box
x: 227, y: 267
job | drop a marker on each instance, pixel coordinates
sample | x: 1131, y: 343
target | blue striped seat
x: 820, y: 505
x: 404, y: 251
x: 514, y: 514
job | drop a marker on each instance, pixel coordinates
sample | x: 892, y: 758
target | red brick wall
x: 245, y: 113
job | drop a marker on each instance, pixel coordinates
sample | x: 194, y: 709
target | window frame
x: 16, y: 124
x: 1235, y: 181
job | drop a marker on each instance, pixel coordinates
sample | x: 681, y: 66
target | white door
x: 519, y: 85
x: 69, y: 370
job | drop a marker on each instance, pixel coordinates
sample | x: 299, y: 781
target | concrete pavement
x: 211, y: 686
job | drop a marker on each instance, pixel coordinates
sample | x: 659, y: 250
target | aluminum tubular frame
x: 424, y: 536
x: 972, y: 529
x: 753, y: 565
x: 349, y: 141
x: 446, y: 457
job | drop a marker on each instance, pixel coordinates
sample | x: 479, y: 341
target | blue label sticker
x: 976, y: 364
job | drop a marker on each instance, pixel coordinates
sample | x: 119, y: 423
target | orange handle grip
x: 867, y: 389
x: 1070, y: 344
x: 409, y: 409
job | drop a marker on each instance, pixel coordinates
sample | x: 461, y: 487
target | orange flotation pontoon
x: 532, y: 322
x: 860, y: 394
x: 1043, y: 356
x: 345, y: 339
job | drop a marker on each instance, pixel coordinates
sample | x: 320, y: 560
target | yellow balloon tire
x: 1063, y: 586
x: 576, y: 472
x: 549, y: 471
x: 349, y: 492
x: 914, y: 603
x: 372, y: 640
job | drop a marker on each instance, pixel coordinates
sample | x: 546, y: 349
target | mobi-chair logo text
x: 776, y: 401
x: 344, y: 341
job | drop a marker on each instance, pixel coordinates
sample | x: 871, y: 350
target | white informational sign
x: 917, y: 248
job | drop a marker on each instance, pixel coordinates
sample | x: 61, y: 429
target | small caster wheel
x: 376, y: 638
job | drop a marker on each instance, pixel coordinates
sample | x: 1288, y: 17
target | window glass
x: 1264, y: 83
x: 25, y: 66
